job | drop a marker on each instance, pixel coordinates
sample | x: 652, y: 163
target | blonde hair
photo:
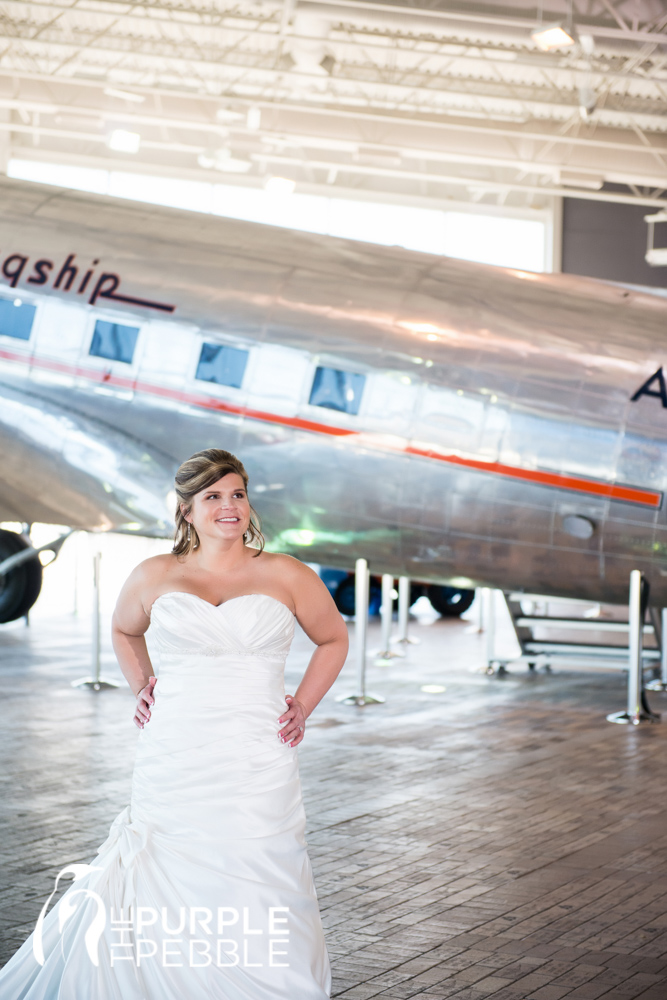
x: 198, y: 473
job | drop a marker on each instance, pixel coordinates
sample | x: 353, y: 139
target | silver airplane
x: 459, y: 424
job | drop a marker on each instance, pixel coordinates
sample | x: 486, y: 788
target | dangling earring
x: 188, y: 531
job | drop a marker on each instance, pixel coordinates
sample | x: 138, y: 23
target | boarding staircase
x: 553, y: 630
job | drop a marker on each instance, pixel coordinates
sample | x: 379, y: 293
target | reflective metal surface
x: 496, y: 411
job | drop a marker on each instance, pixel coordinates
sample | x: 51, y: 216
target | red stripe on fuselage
x: 610, y: 491
x: 577, y: 484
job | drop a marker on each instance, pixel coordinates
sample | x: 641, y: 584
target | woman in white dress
x: 203, y: 889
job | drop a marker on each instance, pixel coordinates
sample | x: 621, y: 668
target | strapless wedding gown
x: 203, y: 889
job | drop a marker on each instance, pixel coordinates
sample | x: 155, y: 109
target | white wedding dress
x: 209, y: 861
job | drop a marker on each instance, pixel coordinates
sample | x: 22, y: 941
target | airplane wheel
x: 20, y: 588
x: 344, y: 597
x: 450, y: 601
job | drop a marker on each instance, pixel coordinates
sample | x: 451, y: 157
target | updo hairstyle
x: 197, y: 473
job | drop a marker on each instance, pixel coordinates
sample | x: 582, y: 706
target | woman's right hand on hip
x: 145, y: 699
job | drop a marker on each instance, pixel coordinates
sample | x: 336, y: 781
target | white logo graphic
x: 67, y: 908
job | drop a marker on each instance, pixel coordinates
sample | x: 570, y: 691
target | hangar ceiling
x: 414, y: 100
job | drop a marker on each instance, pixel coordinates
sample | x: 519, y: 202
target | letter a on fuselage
x: 646, y: 390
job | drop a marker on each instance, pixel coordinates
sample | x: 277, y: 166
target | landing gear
x: 447, y: 601
x: 20, y: 587
x: 450, y: 601
x: 344, y: 596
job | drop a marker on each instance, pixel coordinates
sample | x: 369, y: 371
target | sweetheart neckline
x: 241, y: 597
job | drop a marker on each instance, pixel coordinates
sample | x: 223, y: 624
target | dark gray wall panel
x: 605, y: 240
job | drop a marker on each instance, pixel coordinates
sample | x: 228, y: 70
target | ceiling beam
x: 206, y: 14
x: 653, y: 145
x: 468, y: 182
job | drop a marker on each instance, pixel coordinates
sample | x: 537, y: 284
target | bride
x: 203, y: 889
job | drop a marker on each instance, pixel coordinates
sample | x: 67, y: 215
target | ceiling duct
x: 308, y: 49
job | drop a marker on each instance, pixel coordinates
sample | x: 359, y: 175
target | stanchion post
x: 27, y: 528
x: 77, y: 549
x: 490, y: 616
x: 661, y: 685
x: 97, y: 627
x: 480, y: 609
x: 637, y: 710
x: 96, y: 682
x: 404, y: 612
x: 361, y: 590
x: 386, y: 615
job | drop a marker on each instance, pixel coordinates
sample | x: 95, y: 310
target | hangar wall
x: 607, y: 240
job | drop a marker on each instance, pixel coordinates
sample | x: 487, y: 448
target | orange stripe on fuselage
x: 577, y: 484
x: 610, y: 491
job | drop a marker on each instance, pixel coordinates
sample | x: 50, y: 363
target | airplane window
x: 16, y: 318
x: 222, y: 364
x: 337, y: 390
x: 113, y: 341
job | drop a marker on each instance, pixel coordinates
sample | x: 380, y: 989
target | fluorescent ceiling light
x: 552, y: 36
x: 222, y: 159
x: 280, y: 185
x: 124, y: 95
x: 123, y: 141
x: 206, y: 160
x: 227, y: 115
x: 234, y: 166
x: 254, y: 118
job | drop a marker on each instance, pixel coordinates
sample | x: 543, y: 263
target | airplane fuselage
x: 446, y: 420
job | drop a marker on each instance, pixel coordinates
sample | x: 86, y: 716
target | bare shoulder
x: 314, y: 606
x: 132, y: 614
x: 301, y: 582
x: 148, y: 578
x: 153, y: 569
x: 291, y: 570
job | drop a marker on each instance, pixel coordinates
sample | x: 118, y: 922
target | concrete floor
x: 497, y: 840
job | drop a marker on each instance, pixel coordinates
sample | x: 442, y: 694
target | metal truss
x: 410, y: 95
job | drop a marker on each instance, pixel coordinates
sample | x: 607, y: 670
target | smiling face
x: 222, y: 511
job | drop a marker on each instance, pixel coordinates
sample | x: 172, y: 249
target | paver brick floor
x: 497, y: 840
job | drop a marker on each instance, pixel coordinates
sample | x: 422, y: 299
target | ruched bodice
x: 250, y: 625
x: 214, y: 828
x: 217, y: 663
